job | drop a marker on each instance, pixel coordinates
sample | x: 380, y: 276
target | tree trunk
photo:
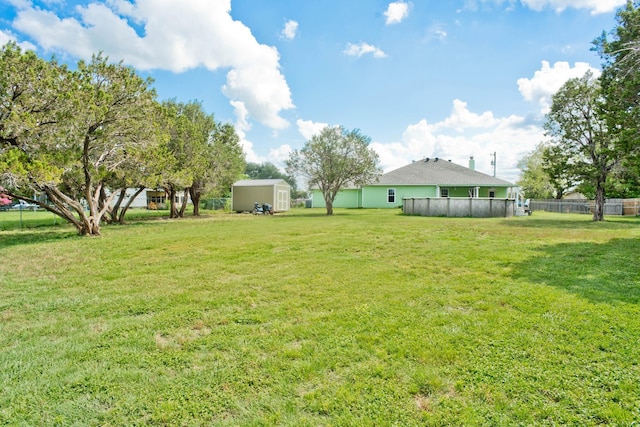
x: 329, y: 207
x: 195, y: 198
x: 123, y: 211
x: 598, y: 209
x: 90, y: 227
x: 171, y: 195
x: 112, y: 213
x: 185, y: 200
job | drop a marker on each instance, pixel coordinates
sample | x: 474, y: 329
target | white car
x: 22, y: 205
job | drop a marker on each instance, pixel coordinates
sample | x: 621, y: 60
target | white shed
x: 273, y: 191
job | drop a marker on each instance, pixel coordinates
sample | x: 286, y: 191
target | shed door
x: 282, y: 202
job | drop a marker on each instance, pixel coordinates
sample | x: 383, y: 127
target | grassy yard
x: 366, y: 318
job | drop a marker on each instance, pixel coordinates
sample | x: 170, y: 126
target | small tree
x: 333, y: 159
x: 556, y: 164
x: 268, y: 170
x: 224, y: 162
x: 534, y: 181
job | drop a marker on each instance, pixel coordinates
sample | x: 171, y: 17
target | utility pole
x: 493, y: 162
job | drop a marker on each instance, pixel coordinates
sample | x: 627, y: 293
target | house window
x: 492, y: 193
x: 391, y: 195
x: 444, y: 192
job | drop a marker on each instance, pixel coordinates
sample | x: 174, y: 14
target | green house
x: 429, y: 177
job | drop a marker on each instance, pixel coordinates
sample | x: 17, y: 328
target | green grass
x: 366, y: 318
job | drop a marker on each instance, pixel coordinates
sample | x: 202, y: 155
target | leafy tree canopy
x: 333, y: 159
x: 580, y: 144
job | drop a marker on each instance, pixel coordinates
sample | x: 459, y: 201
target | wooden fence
x: 611, y: 206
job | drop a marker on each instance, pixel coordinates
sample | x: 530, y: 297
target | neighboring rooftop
x: 435, y: 171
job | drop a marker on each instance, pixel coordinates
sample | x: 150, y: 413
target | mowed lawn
x: 366, y: 318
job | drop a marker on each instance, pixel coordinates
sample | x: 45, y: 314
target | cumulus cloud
x: 289, y: 31
x: 461, y: 135
x: 595, y: 6
x: 363, y: 49
x: 308, y: 128
x: 278, y: 156
x: 171, y: 35
x: 8, y: 36
x: 396, y: 12
x: 546, y: 81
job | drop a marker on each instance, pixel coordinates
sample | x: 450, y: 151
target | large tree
x: 223, y: 164
x: 64, y: 133
x: 202, y: 155
x: 334, y: 158
x: 579, y: 135
x: 183, y: 149
x: 621, y: 84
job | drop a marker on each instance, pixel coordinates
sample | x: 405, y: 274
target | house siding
x: 376, y: 196
x: 349, y: 198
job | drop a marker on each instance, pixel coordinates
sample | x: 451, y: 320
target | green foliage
x: 365, y: 318
x: 74, y: 130
x: 204, y: 157
x: 621, y: 82
x: 334, y: 159
x: 557, y: 166
x: 268, y: 170
x: 535, y: 181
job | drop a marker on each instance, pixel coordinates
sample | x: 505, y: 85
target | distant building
x: 429, y: 177
x: 275, y: 192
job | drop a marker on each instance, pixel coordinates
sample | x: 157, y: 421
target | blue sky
x: 429, y: 78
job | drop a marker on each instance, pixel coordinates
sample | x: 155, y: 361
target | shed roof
x: 436, y: 171
x: 260, y: 182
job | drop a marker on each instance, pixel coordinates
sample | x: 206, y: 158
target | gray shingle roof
x: 439, y: 172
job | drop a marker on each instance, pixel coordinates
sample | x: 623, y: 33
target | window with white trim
x: 492, y: 193
x: 391, y: 195
x: 444, y: 192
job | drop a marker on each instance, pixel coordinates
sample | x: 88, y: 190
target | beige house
x: 275, y: 192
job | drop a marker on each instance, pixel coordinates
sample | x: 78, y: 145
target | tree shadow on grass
x: 575, y: 223
x: 600, y: 272
x: 27, y: 237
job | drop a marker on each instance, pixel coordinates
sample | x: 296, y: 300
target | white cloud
x: 289, y: 31
x: 546, y: 81
x: 440, y: 34
x: 461, y: 119
x: 396, y: 12
x: 8, y: 36
x: 278, y: 156
x: 461, y: 135
x: 308, y: 128
x: 362, y: 49
x: 175, y: 36
x: 595, y: 6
